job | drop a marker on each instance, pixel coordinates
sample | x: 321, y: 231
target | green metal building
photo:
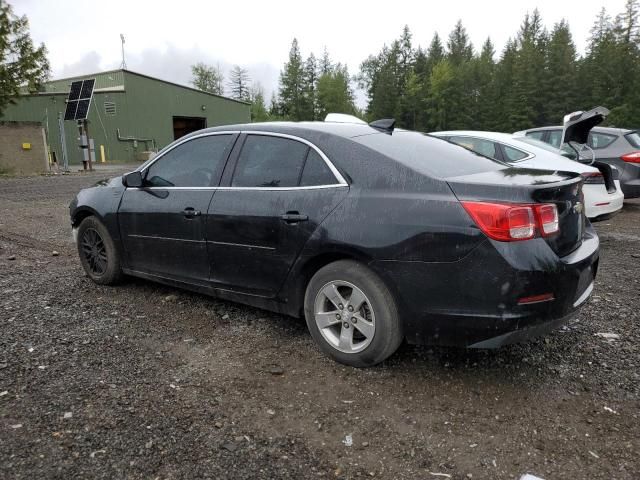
x: 130, y: 115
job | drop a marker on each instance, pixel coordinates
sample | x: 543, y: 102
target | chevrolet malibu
x: 373, y: 234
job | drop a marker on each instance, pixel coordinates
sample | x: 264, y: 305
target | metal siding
x: 144, y: 110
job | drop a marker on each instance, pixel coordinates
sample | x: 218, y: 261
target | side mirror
x: 132, y: 179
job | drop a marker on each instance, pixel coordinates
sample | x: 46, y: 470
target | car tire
x: 98, y: 255
x: 367, y: 329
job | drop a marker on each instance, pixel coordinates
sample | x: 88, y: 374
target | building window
x: 110, y: 108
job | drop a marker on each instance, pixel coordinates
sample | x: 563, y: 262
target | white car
x: 602, y: 194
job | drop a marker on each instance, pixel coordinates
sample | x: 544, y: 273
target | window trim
x: 336, y: 173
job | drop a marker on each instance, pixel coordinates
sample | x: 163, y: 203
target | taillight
x: 547, y: 216
x: 508, y: 222
x: 593, y: 177
x: 633, y: 157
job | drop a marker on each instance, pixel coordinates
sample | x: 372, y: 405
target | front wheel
x: 98, y: 254
x: 352, y: 315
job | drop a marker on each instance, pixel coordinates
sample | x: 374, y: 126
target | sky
x: 163, y: 39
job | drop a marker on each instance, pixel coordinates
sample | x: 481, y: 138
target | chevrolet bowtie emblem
x: 578, y: 207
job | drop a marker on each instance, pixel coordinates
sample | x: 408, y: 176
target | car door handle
x: 294, y: 217
x: 191, y: 212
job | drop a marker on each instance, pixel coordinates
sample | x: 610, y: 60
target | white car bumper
x: 599, y: 202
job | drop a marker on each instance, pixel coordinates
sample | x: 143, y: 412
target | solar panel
x: 70, y: 112
x: 87, y: 88
x: 83, y: 109
x: 79, y: 99
x: 76, y: 87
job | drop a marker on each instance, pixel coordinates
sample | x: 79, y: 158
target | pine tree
x: 239, y: 82
x: 310, y: 80
x: 441, y: 81
x: 460, y: 55
x: 258, y: 108
x: 334, y: 92
x: 459, y: 46
x: 561, y: 82
x: 207, y: 78
x: 485, y: 99
x: 526, y: 100
x: 21, y: 63
x: 291, y: 85
x: 325, y: 63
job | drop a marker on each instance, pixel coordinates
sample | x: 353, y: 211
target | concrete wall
x: 23, y: 149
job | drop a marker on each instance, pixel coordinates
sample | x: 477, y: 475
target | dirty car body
x: 410, y: 207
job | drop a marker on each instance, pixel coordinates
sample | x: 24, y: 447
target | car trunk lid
x: 526, y: 186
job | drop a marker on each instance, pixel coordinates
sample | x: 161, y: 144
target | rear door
x: 275, y: 193
x: 162, y: 224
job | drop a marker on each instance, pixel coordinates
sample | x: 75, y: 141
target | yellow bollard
x: 102, y: 159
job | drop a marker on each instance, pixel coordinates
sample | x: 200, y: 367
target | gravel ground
x: 145, y: 381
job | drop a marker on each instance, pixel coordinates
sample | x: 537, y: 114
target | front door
x: 280, y: 192
x: 162, y: 224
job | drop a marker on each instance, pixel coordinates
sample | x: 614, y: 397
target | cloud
x: 90, y: 62
x: 173, y: 64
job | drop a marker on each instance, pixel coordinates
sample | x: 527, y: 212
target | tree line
x: 537, y: 79
x: 449, y: 84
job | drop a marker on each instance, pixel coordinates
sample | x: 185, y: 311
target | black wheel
x: 352, y: 315
x: 98, y: 254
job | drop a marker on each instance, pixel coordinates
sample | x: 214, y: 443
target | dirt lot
x: 144, y: 381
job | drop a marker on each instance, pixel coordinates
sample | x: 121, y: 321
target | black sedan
x: 373, y: 235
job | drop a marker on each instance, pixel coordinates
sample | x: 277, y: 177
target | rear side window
x: 428, y: 154
x: 316, y: 172
x: 478, y: 145
x: 555, y: 137
x: 537, y: 135
x: 267, y: 161
x: 513, y: 154
x: 195, y: 163
x: 600, y: 140
x: 633, y: 138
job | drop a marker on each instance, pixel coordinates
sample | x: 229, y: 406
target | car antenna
x: 385, y: 124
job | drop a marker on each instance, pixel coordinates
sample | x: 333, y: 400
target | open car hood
x: 577, y: 125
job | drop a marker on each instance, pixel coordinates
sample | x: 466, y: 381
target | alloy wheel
x: 344, y: 316
x: 94, y: 251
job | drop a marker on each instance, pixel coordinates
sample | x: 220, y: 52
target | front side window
x: 195, y: 163
x: 267, y: 161
x: 478, y: 145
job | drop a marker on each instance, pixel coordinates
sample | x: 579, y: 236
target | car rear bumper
x: 474, y: 302
x: 600, y: 203
x: 630, y: 179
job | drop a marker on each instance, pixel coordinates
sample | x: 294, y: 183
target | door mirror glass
x: 132, y: 180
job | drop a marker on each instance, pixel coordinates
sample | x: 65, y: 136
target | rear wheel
x: 98, y: 254
x: 352, y: 315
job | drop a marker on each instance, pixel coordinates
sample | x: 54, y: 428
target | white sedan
x: 602, y: 194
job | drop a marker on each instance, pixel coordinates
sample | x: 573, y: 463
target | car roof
x: 609, y: 130
x: 346, y: 130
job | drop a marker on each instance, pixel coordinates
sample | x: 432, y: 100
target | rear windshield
x: 633, y: 138
x: 429, y: 154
